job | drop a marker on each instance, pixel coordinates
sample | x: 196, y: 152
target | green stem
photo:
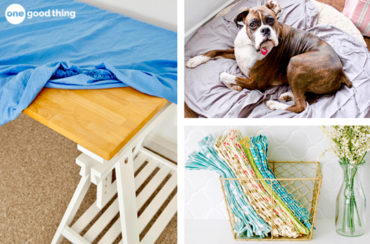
x: 358, y: 215
x: 350, y: 217
x: 361, y: 161
x: 353, y: 200
x: 350, y: 208
x: 354, y: 197
x: 345, y: 219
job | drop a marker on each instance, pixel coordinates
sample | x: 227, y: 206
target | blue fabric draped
x: 96, y: 49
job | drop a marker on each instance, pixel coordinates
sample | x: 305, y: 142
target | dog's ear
x: 273, y: 5
x: 241, y: 17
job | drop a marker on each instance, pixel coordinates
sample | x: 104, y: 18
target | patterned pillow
x: 359, y: 12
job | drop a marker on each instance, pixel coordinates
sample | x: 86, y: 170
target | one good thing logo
x: 15, y: 14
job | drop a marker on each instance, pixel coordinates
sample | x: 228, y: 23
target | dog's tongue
x: 264, y: 51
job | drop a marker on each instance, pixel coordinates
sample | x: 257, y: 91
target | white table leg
x: 97, y: 170
x: 127, y: 201
x: 73, y: 206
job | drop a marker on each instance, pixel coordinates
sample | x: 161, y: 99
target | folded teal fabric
x: 259, y: 147
x: 248, y: 223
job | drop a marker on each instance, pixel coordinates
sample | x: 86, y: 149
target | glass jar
x: 350, y: 217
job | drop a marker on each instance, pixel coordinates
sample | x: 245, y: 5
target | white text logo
x: 15, y: 14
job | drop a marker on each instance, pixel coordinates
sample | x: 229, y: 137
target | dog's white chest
x: 245, y: 52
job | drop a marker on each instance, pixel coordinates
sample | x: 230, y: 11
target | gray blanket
x: 208, y: 97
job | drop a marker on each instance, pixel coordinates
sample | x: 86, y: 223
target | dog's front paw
x: 197, y: 60
x: 236, y: 88
x: 275, y: 105
x: 227, y: 79
x: 286, y: 96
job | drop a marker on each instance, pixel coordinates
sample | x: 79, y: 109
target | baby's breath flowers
x: 350, y: 142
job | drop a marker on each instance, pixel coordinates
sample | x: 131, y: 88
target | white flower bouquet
x: 350, y: 144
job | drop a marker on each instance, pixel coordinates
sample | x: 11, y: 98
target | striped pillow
x: 359, y: 12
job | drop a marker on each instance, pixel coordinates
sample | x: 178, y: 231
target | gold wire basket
x: 301, y: 179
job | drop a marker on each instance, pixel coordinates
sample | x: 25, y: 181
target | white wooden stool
x: 110, y: 128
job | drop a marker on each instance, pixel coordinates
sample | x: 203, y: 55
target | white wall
x: 197, y: 10
x: 162, y: 13
x: 203, y: 195
x: 164, y: 139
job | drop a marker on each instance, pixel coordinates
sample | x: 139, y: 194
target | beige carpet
x: 38, y: 176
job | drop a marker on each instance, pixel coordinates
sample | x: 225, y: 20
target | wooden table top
x: 102, y: 121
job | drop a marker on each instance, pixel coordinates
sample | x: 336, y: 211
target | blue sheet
x: 97, y: 49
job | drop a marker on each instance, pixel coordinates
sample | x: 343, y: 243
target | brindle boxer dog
x: 272, y: 54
